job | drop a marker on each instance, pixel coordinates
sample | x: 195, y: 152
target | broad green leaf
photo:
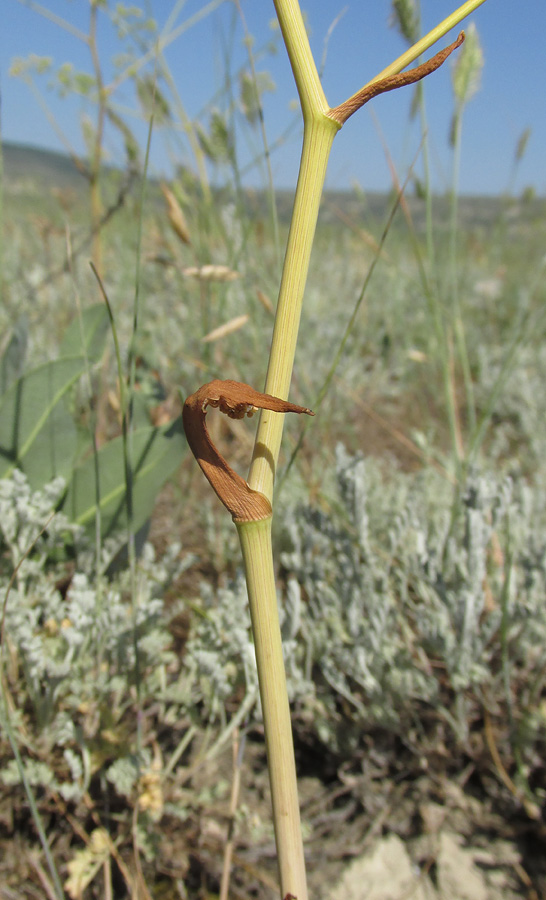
x: 88, y: 337
x: 156, y: 454
x: 37, y: 433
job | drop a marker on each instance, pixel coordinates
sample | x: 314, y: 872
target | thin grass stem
x: 426, y: 42
x: 263, y: 132
x: 36, y: 817
x: 458, y: 325
x: 345, y: 337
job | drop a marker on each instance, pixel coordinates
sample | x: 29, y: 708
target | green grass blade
x: 37, y: 819
x: 157, y: 453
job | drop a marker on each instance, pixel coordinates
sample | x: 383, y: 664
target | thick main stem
x: 255, y: 538
x: 319, y: 132
x: 318, y: 136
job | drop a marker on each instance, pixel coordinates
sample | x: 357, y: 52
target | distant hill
x: 22, y: 162
x: 48, y: 168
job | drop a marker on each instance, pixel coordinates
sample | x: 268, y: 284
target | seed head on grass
x: 468, y: 68
x: 405, y: 17
x: 176, y: 217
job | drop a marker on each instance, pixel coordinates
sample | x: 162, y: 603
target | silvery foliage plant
x: 412, y: 592
x: 71, y: 650
x: 219, y: 651
x: 400, y: 593
x: 520, y: 408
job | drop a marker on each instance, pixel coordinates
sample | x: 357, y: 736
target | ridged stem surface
x: 255, y: 538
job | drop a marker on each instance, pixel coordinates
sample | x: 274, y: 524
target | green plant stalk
x: 1, y: 219
x: 168, y: 35
x: 346, y: 335
x: 431, y: 286
x: 255, y: 540
x: 265, y: 141
x: 255, y: 537
x: 317, y: 142
x: 427, y: 179
x: 319, y: 132
x: 426, y: 42
x: 453, y: 253
x: 128, y: 437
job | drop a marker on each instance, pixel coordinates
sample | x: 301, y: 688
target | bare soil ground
x: 386, y: 827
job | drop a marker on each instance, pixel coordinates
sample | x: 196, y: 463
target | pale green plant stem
x: 421, y: 102
x: 431, y: 290
x: 163, y: 70
x: 189, y: 130
x: 431, y: 287
x: 97, y: 151
x: 317, y: 142
x: 126, y: 431
x: 255, y: 540
x: 167, y: 37
x: 345, y: 337
x: 265, y: 141
x: 453, y: 253
x: 318, y: 138
x: 57, y: 20
x: 99, y: 579
x: 429, y: 39
x: 441, y: 329
x: 431, y: 252
x: 255, y: 537
x: 431, y: 283
x: 128, y: 427
x: 1, y: 219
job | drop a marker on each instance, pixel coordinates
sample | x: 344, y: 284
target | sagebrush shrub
x: 413, y: 592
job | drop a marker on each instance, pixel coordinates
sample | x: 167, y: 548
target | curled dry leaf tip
x: 342, y: 112
x: 236, y: 400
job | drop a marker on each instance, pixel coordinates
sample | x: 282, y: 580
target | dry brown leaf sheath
x: 236, y: 400
x: 342, y: 112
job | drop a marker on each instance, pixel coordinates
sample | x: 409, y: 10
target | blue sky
x: 511, y: 99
